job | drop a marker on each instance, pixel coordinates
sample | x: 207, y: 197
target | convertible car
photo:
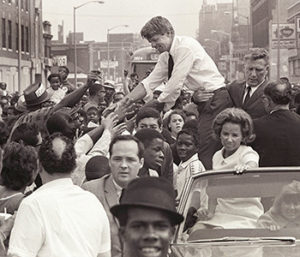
x: 255, y: 213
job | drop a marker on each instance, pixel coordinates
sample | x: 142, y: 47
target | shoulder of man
x: 95, y: 185
x: 235, y: 84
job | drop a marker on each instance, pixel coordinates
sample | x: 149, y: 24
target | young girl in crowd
x: 285, y: 212
x: 175, y: 122
x: 55, y: 91
x: 234, y: 128
x: 187, y: 146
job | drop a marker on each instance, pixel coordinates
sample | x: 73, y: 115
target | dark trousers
x: 207, y: 112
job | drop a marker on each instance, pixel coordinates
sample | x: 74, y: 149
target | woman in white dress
x: 234, y: 128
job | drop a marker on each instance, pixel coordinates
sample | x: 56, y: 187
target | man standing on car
x: 147, y: 217
x: 183, y: 61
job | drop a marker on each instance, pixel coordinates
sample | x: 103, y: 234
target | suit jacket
x: 104, y: 189
x: 254, y: 106
x: 278, y: 139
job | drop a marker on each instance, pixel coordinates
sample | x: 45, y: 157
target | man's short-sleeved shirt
x: 60, y: 219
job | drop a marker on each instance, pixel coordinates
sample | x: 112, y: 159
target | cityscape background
x: 107, y: 35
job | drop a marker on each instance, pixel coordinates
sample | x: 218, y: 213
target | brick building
x: 33, y: 37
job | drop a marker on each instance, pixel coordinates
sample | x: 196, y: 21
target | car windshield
x: 258, y: 203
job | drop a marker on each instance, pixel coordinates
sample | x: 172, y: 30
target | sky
x: 95, y: 19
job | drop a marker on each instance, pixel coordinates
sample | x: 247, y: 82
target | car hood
x: 244, y: 249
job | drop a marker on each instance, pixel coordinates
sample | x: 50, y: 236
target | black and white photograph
x: 149, y: 128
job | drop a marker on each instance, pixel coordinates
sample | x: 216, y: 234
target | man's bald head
x: 279, y: 92
x: 57, y: 154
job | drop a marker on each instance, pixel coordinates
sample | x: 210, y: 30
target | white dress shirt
x: 193, y: 68
x: 252, y: 90
x: 60, y: 219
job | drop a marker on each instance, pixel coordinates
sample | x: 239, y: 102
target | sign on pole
x: 286, y: 34
x: 60, y: 60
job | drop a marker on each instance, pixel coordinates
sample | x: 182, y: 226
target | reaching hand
x: 274, y: 227
x: 110, y: 121
x: 123, y: 107
x: 119, y: 129
x: 7, y: 225
x: 239, y: 169
x: 109, y: 110
x: 204, y: 214
x: 202, y: 96
x: 93, y: 76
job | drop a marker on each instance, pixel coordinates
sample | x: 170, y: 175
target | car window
x: 264, y: 202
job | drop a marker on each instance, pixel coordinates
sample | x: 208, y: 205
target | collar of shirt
x: 253, y: 89
x: 183, y: 165
x: 232, y: 157
x: 56, y: 183
x: 153, y: 173
x: 172, y: 48
x: 118, y: 188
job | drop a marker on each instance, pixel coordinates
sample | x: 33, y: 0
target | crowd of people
x: 89, y: 171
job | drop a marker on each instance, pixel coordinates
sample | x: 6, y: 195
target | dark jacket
x: 278, y: 139
x: 254, y: 106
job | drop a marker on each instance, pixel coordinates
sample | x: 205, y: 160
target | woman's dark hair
x: 19, y: 165
x: 236, y: 116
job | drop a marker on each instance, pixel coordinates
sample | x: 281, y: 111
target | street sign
x: 60, y: 60
x: 286, y: 34
x: 112, y: 64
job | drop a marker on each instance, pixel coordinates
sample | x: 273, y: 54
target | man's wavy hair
x: 236, y: 116
x: 256, y: 54
x: 54, y: 161
x: 157, y: 26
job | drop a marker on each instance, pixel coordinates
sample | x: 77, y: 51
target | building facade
x: 93, y: 55
x: 33, y: 37
x: 267, y: 17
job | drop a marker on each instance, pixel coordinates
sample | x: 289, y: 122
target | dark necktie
x: 170, y: 66
x: 247, y: 98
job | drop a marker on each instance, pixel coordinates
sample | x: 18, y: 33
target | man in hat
x: 125, y: 161
x: 36, y: 102
x: 147, y: 217
x: 109, y: 86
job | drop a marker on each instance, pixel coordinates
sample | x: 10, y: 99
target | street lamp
x: 230, y: 49
x: 74, y: 39
x: 108, y: 30
x: 248, y: 26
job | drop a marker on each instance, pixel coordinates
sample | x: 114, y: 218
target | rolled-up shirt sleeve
x: 157, y: 76
x: 183, y: 63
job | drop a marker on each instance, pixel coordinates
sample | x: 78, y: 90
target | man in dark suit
x: 126, y: 159
x: 247, y: 94
x: 278, y: 133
